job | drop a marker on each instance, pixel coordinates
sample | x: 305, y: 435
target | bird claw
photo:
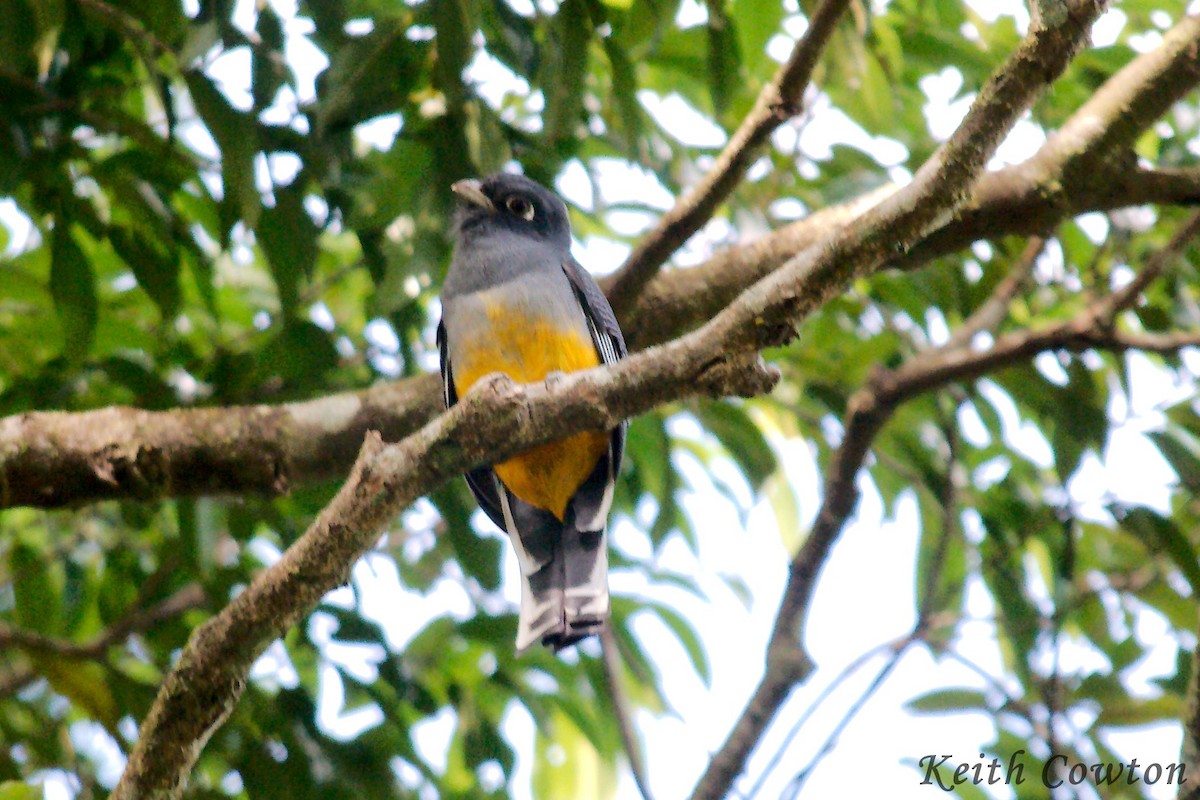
x: 554, y: 378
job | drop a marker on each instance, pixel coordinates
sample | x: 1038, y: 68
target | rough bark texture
x: 52, y: 459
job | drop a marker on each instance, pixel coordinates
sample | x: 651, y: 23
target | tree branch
x: 1108, y: 124
x: 610, y: 654
x: 867, y: 411
x: 138, y: 619
x: 994, y: 310
x: 779, y: 101
x: 54, y: 459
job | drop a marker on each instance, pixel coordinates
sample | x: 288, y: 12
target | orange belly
x: 549, y: 475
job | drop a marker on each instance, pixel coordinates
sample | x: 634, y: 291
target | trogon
x: 515, y: 301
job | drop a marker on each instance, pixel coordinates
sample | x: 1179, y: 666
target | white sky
x: 865, y: 595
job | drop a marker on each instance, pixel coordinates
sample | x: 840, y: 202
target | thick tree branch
x: 779, y: 101
x: 1108, y: 124
x: 867, y: 411
x: 500, y: 419
x: 52, y: 460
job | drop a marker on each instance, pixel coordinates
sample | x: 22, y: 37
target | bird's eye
x: 521, y: 207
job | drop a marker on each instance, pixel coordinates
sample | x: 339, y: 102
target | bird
x: 515, y: 301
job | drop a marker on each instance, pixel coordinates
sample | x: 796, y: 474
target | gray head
x: 506, y: 226
x: 511, y: 204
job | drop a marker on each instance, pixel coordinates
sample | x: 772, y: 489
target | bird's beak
x: 471, y: 190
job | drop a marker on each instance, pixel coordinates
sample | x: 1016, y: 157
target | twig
x: 847, y: 672
x: 792, y: 790
x: 992, y: 312
x: 137, y: 619
x: 16, y: 680
x: 779, y: 101
x: 1128, y: 294
x: 611, y: 658
x: 925, y: 623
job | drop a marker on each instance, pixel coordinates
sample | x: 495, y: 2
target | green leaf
x: 300, y: 355
x: 785, y: 505
x: 1161, y: 533
x: 624, y: 95
x: 371, y: 75
x: 237, y: 135
x: 289, y: 239
x: 943, y: 701
x: 724, y: 56
x: 1181, y: 448
x: 73, y: 287
x: 567, y: 767
x: 85, y: 684
x: 12, y: 790
x: 562, y: 72
x: 153, y: 264
x: 687, y: 636
x: 756, y: 23
x: 742, y: 439
x: 1118, y: 711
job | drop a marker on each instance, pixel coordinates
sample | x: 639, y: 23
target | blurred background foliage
x: 221, y: 202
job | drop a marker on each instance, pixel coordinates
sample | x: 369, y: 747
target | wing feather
x: 482, y: 481
x: 594, y: 498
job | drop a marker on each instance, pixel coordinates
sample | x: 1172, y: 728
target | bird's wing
x: 594, y: 498
x: 481, y: 481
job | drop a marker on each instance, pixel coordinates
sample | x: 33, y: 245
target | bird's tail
x: 566, y: 598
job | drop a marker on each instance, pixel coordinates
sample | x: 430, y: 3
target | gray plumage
x: 513, y: 253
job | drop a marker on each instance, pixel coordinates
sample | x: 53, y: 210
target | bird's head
x: 512, y: 203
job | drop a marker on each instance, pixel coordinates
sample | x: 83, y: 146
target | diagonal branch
x: 500, y: 419
x: 779, y: 101
x: 867, y: 412
x: 1107, y: 125
x: 994, y: 310
x: 138, y: 619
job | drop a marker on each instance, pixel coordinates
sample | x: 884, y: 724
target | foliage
x: 209, y: 225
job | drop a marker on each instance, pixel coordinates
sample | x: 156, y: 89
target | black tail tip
x: 576, y: 632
